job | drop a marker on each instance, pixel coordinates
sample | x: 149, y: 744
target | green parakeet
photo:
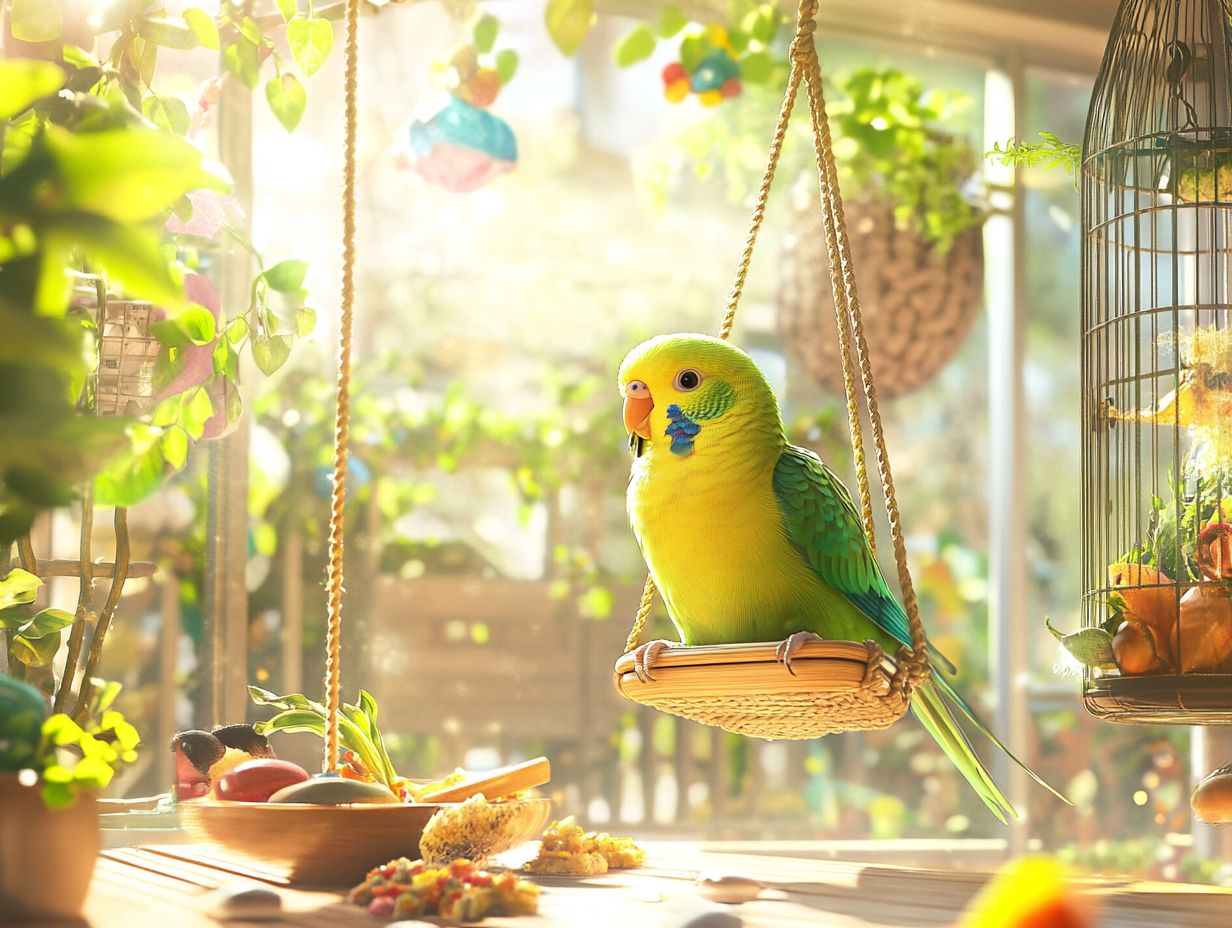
x: 751, y: 539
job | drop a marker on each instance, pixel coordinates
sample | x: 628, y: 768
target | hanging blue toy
x: 462, y: 147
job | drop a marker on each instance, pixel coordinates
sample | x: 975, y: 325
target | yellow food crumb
x: 567, y: 848
x: 475, y: 829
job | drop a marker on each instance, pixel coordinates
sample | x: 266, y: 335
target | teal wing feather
x: 824, y: 526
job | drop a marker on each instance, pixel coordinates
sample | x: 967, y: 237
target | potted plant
x: 51, y: 770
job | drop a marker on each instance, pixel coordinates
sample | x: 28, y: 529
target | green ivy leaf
x: 235, y: 406
x: 175, y: 447
x: 135, y: 473
x: 167, y: 113
x: 24, y: 80
x: 637, y: 46
x: 310, y: 38
x: 242, y: 60
x: 35, y: 20
x: 288, y: 9
x: 197, y: 409
x: 18, y: 588
x: 568, y: 23
x: 671, y: 21
x: 287, y: 99
x: 47, y: 622
x: 506, y: 64
x: 61, y: 731
x: 128, y: 175
x: 93, y: 773
x: 58, y: 795
x: 271, y: 352
x: 286, y: 276
x: 485, y: 32
x: 203, y: 27
x: 35, y: 652
x: 131, y: 255
x: 193, y: 325
x: 167, y: 34
x: 237, y: 330
x: 305, y: 321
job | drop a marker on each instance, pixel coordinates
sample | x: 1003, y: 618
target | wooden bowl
x: 743, y: 688
x: 326, y: 845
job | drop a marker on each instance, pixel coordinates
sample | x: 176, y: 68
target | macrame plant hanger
x: 838, y: 685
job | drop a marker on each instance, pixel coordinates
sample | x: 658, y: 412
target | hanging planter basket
x: 918, y: 303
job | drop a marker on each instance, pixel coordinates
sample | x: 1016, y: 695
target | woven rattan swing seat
x: 834, y: 686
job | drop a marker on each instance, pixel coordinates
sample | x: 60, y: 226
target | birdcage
x: 1157, y: 368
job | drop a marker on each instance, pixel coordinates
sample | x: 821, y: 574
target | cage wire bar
x: 1156, y: 212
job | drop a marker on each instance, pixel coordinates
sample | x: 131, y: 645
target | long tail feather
x: 952, y: 696
x: 930, y: 708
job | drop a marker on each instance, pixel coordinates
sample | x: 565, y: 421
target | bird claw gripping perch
x: 790, y: 645
x: 645, y: 655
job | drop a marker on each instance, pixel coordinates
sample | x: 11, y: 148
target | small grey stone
x: 243, y: 904
x: 711, y: 919
x: 728, y: 888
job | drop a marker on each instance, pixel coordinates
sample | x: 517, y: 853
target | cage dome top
x: 1165, y: 87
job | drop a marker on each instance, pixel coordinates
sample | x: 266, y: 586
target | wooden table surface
x: 165, y: 886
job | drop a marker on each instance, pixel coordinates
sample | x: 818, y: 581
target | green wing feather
x: 822, y: 523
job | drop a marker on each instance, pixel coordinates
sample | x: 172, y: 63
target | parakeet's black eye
x: 687, y: 380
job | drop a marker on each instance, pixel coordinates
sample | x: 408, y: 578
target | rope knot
x: 802, y: 48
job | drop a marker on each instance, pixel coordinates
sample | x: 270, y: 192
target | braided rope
x: 836, y: 229
x: 913, y: 663
x: 333, y: 575
x: 804, y: 59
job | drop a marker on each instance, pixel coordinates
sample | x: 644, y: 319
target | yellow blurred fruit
x: 676, y: 91
x: 710, y: 97
x: 718, y: 36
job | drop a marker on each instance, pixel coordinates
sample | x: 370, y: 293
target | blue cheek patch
x: 681, y: 430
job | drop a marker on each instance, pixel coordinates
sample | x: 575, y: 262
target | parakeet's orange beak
x: 637, y: 415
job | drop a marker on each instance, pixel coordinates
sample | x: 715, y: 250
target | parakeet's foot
x: 645, y: 655
x: 790, y: 645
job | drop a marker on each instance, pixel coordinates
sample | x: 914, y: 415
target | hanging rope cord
x: 333, y: 574
x: 806, y: 69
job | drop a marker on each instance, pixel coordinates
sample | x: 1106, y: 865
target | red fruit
x: 257, y: 780
x: 674, y: 72
x: 730, y: 88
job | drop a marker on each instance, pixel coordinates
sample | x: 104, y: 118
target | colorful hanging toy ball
x: 463, y: 146
x: 715, y: 78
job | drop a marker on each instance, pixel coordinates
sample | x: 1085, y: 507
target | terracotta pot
x: 46, y: 857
